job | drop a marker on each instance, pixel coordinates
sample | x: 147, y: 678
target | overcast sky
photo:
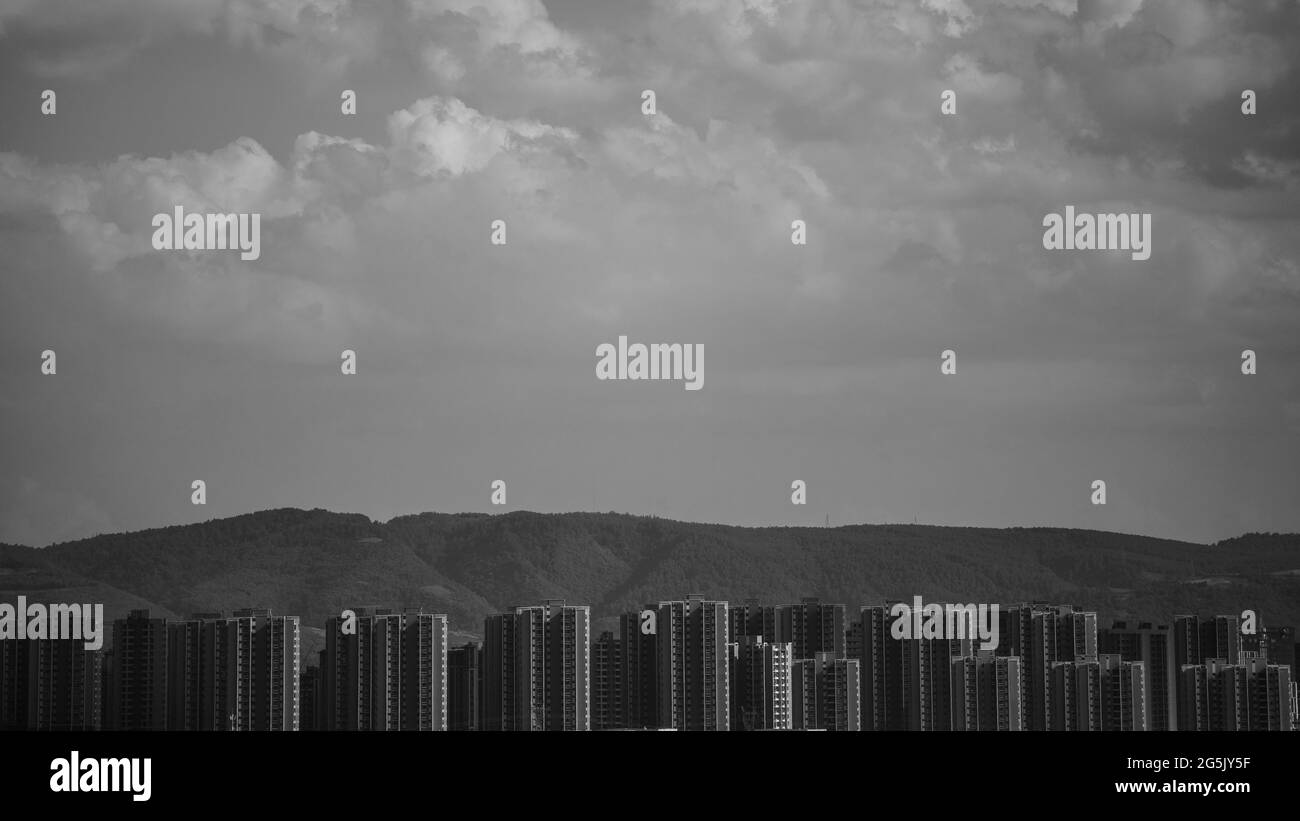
x: 477, y: 362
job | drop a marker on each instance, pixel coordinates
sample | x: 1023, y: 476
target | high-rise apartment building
x: 1249, y: 695
x: 1075, y: 691
x: 826, y: 693
x: 424, y: 672
x: 881, y: 665
x: 607, y: 700
x: 138, y: 686
x: 465, y: 687
x: 1187, y: 641
x: 1277, y: 645
x: 385, y: 670
x: 985, y: 692
x: 15, y: 680
x: 1154, y: 646
x: 812, y: 628
x: 1056, y: 633
x: 309, y: 698
x: 753, y: 619
x: 1124, y: 690
x: 1221, y: 638
x: 1103, y: 693
x: 50, y: 684
x: 693, y: 667
x: 760, y: 684
x: 927, y: 680
x: 535, y: 667
x: 640, y: 671
x: 237, y: 672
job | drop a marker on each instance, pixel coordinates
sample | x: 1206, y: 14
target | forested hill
x: 314, y: 563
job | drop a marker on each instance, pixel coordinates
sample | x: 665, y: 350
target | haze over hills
x: 315, y: 563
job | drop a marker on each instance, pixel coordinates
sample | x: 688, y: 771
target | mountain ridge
x: 314, y: 563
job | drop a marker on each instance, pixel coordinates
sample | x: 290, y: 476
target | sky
x: 477, y: 362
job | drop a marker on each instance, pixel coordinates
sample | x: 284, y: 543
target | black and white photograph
x: 353, y: 383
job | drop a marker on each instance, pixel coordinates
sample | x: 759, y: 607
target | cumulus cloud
x: 460, y: 44
x: 444, y: 135
x: 339, y: 204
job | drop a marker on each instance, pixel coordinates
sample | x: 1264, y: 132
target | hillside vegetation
x: 314, y: 563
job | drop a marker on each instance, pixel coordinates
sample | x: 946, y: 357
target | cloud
x: 276, y: 304
x: 461, y: 44
x: 339, y: 211
x: 64, y: 38
x: 924, y: 230
x: 522, y: 25
x: 1161, y: 81
x: 444, y: 135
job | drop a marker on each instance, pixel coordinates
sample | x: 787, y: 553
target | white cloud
x: 444, y: 135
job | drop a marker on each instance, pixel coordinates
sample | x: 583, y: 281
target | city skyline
x: 707, y: 668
